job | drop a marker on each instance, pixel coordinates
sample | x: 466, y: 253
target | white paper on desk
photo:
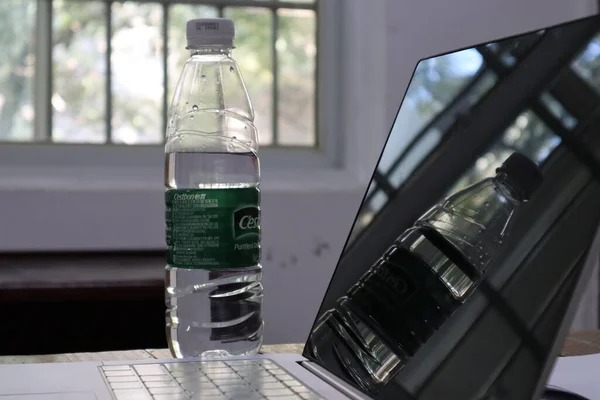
x: 579, y: 374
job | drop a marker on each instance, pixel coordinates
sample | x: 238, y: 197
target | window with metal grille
x: 104, y: 71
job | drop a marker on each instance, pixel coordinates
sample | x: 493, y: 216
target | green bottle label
x: 213, y: 228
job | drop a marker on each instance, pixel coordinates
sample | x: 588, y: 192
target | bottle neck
x: 211, y: 50
x: 508, y: 188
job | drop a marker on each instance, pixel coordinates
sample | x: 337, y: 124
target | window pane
x: 527, y: 135
x: 436, y: 82
x: 253, y: 42
x: 399, y: 161
x: 368, y: 211
x: 179, y: 14
x: 296, y: 50
x: 558, y: 110
x: 79, y: 71
x: 137, y: 73
x: 424, y: 146
x: 530, y: 136
x: 17, y: 66
x: 587, y: 65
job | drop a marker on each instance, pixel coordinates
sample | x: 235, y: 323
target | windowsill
x: 134, y: 169
x: 51, y: 272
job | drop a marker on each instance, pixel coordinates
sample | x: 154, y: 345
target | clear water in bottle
x: 212, y: 176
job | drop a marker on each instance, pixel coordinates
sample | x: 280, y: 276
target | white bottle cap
x: 210, y: 32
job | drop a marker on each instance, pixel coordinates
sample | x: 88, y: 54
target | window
x: 17, y: 70
x: 587, y: 65
x: 109, y: 195
x: 110, y: 68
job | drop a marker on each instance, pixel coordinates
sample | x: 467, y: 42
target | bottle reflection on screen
x: 423, y: 278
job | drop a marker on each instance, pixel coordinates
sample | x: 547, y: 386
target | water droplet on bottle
x: 486, y: 204
x: 203, y: 78
x: 194, y: 108
x: 187, y: 102
x: 234, y: 138
x: 191, y: 117
x: 231, y: 69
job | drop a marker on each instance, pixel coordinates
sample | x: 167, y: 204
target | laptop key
x: 278, y: 372
x: 171, y: 397
x: 132, y: 394
x: 151, y: 369
x: 126, y: 385
x: 241, y: 362
x: 293, y: 397
x: 190, y: 381
x: 272, y: 385
x: 186, y: 374
x: 301, y: 389
x: 116, y: 367
x: 130, y: 378
x: 208, y: 392
x: 255, y: 376
x: 276, y: 392
x: 229, y: 381
x: 199, y: 386
x: 220, y: 373
x: 166, y: 390
x: 247, y: 396
x: 182, y: 366
x: 239, y: 391
x: 292, y: 383
x: 161, y: 384
x: 156, y: 378
x: 262, y: 379
x: 119, y: 373
x: 310, y: 396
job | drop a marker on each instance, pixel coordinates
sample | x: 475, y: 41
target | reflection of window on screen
x: 587, y: 65
x: 112, y: 66
x: 435, y: 83
x: 527, y: 135
x: 448, y: 86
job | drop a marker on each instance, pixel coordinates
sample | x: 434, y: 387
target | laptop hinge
x: 334, y: 381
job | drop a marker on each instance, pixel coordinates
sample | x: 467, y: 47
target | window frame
x: 118, y: 189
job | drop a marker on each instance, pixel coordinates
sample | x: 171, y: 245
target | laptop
x: 503, y: 341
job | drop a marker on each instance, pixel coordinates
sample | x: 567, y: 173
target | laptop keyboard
x: 207, y: 380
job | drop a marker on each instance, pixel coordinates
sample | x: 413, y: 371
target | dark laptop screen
x: 464, y: 113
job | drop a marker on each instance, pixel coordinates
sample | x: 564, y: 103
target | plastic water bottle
x: 422, y: 279
x: 212, y: 175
